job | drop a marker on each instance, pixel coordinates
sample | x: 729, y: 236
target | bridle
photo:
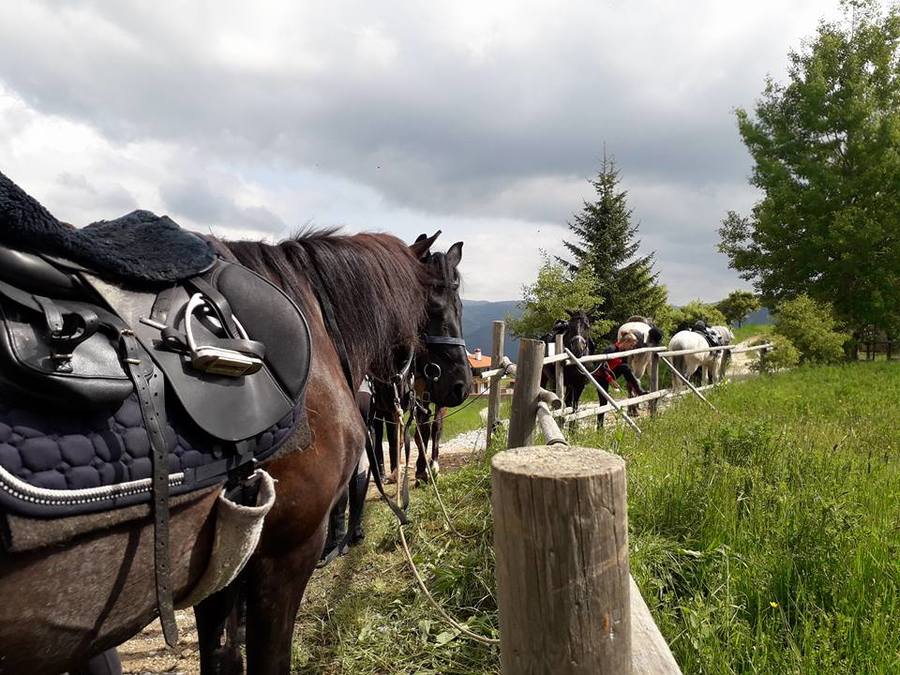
x: 430, y: 370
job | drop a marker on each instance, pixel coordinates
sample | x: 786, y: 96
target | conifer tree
x: 607, y: 244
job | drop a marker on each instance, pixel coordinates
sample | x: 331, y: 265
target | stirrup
x: 212, y: 359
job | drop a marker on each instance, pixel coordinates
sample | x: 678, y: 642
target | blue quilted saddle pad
x: 55, y: 463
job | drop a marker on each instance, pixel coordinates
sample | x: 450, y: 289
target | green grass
x: 750, y: 330
x: 765, y: 539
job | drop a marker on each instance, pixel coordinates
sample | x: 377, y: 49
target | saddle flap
x: 228, y: 408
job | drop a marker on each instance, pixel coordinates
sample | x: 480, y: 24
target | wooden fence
x: 890, y: 349
x: 566, y: 598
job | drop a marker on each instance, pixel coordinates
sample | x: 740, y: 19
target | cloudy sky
x: 481, y: 119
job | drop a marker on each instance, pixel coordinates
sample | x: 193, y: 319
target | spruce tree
x: 607, y: 244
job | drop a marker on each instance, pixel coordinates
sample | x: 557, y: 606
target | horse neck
x: 370, y: 288
x: 376, y: 305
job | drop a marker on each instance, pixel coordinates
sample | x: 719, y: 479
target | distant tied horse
x: 648, y: 336
x: 711, y: 364
x: 576, y: 334
x: 365, y: 297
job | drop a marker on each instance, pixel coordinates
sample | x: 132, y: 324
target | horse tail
x: 678, y: 362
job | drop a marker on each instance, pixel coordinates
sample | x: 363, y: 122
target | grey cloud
x: 200, y: 201
x: 429, y: 132
x: 77, y: 192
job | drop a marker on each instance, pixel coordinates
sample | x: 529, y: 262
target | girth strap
x: 150, y: 392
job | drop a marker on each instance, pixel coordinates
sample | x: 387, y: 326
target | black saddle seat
x: 138, y: 247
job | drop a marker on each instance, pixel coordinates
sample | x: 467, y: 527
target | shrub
x: 782, y: 355
x: 696, y: 310
x: 811, y: 327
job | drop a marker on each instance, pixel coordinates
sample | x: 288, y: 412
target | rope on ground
x: 449, y: 619
x: 433, y: 481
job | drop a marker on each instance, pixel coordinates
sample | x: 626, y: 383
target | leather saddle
x: 65, y: 335
x: 711, y: 338
x: 114, y: 394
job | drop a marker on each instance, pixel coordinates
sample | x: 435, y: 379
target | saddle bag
x: 56, y: 351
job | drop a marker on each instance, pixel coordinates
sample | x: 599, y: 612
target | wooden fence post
x: 560, y: 371
x: 494, y: 397
x: 654, y: 381
x: 561, y: 544
x: 528, y: 381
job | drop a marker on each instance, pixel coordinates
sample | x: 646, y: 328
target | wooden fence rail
x: 567, y: 601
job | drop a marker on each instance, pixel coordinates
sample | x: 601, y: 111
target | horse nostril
x: 459, y: 391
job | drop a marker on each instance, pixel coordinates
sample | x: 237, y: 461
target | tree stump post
x: 493, y: 420
x: 528, y: 381
x: 561, y: 543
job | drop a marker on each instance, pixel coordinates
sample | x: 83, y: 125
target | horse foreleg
x: 437, y: 429
x: 218, y: 655
x: 275, y: 587
x: 423, y: 421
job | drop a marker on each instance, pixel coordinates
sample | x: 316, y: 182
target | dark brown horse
x: 576, y: 334
x: 65, y: 604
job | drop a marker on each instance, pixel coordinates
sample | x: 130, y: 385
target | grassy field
x: 751, y: 330
x: 766, y: 539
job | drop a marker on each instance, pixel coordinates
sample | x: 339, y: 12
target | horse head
x: 444, y: 364
x: 577, y: 336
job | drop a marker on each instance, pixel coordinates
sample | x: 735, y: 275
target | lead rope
x: 421, y: 582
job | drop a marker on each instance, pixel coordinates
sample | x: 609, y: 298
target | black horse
x: 576, y: 334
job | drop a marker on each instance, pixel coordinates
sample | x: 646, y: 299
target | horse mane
x: 375, y: 285
x: 638, y: 319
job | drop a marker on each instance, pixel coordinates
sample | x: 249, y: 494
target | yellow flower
x: 773, y: 604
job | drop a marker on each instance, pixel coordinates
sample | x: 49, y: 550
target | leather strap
x: 150, y: 392
x: 445, y: 340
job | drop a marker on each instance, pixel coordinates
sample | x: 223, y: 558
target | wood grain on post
x: 654, y: 381
x: 494, y: 397
x: 561, y: 543
x: 528, y: 381
x: 560, y: 370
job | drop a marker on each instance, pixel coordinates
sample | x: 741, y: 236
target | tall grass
x: 765, y: 538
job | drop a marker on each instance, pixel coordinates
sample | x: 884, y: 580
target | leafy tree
x: 811, y: 327
x: 606, y: 244
x: 826, y: 149
x: 737, y: 306
x: 555, y: 293
x: 697, y: 310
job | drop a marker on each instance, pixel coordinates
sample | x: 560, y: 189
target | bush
x: 697, y: 310
x: 783, y: 355
x: 811, y: 327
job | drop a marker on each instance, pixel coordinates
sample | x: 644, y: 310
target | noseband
x: 431, y: 370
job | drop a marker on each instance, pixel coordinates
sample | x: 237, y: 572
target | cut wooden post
x: 561, y: 543
x: 494, y: 397
x: 528, y: 381
x: 560, y: 370
x: 654, y: 381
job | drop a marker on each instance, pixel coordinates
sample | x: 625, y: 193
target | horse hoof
x: 421, y: 479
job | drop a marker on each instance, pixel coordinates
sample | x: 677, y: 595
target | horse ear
x: 423, y: 244
x: 454, y: 255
